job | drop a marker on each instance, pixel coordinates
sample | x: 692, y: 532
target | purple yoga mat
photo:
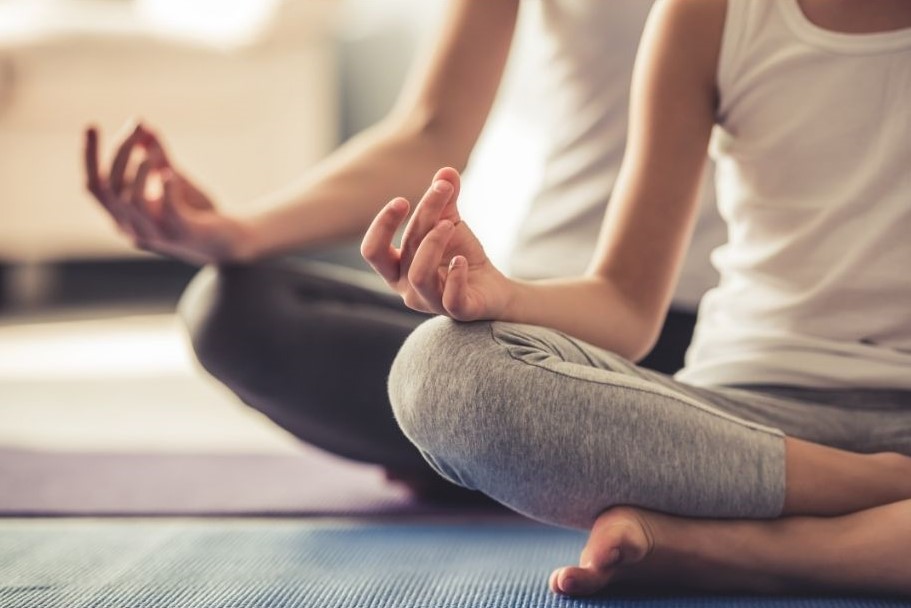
x: 308, y: 483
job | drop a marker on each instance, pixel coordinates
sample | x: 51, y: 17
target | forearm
x: 621, y: 304
x: 589, y: 308
x: 337, y: 199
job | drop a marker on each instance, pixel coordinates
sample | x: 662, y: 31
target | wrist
x: 513, y: 305
x: 246, y: 242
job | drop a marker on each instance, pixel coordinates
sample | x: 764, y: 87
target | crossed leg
x: 723, y: 488
x: 310, y: 344
x: 864, y: 551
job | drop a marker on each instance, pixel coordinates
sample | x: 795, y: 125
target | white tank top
x: 813, y: 167
x: 583, y: 53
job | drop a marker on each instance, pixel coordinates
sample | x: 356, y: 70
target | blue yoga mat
x: 283, y: 564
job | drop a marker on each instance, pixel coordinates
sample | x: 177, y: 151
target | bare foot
x: 863, y: 552
x: 621, y: 540
x: 637, y: 546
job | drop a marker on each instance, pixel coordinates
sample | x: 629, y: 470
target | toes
x: 619, y: 541
x: 552, y: 581
x: 575, y: 580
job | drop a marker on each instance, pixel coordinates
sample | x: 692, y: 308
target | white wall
x: 245, y: 120
x: 246, y: 117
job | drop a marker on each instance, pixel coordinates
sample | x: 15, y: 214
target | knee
x: 441, y: 391
x: 424, y: 384
x: 217, y: 309
x: 495, y: 407
x: 470, y: 397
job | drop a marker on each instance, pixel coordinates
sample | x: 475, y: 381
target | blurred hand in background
x: 156, y: 206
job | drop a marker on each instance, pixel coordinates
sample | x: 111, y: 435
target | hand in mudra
x: 156, y: 206
x: 441, y: 266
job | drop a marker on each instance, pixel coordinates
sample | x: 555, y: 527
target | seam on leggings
x: 659, y: 391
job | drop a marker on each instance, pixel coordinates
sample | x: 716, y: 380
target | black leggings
x: 310, y: 345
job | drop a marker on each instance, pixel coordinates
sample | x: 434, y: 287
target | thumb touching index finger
x: 153, y: 145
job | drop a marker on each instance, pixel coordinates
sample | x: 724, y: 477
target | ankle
x: 897, y: 469
x: 715, y: 555
x: 826, y: 481
x: 893, y: 461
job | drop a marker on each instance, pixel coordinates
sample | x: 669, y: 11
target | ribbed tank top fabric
x: 813, y: 176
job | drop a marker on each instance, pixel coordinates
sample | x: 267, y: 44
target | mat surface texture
x: 284, y: 564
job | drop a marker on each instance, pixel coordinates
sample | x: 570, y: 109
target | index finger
x: 121, y: 159
x: 433, y: 206
x: 377, y: 247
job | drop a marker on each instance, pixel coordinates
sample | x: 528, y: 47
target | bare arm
x: 436, y: 121
x: 621, y: 302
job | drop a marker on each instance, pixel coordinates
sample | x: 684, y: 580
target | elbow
x: 638, y: 323
x: 640, y: 348
x: 639, y: 331
x: 442, y: 140
x: 641, y: 298
x: 632, y: 337
x: 635, y: 340
x: 648, y: 331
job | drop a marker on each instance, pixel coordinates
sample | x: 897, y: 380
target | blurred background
x: 249, y: 94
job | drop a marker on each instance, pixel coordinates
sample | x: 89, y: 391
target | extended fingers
x: 143, y: 220
x: 426, y: 215
x: 376, y: 248
x: 452, y: 176
x: 171, y: 221
x: 138, y: 189
x: 122, y: 159
x: 94, y: 182
x: 424, y: 274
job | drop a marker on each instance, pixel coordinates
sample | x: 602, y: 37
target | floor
x: 100, y: 363
x: 104, y: 411
x: 115, y: 379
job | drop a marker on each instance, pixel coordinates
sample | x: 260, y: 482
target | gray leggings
x: 310, y: 344
x: 560, y: 430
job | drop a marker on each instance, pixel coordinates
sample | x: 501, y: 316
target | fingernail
x: 446, y: 225
x: 614, y: 556
x: 397, y: 205
x: 454, y: 262
x: 568, y: 584
x: 441, y: 186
